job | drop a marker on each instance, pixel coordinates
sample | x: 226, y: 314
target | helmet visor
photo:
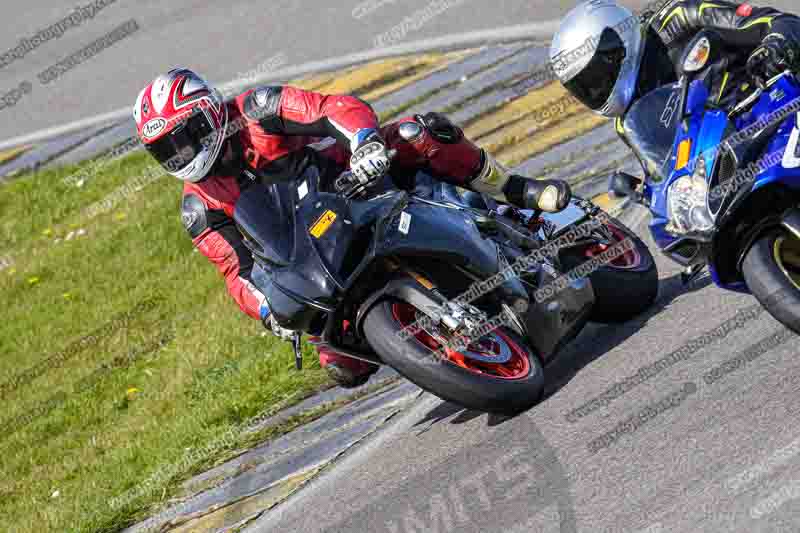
x: 179, y: 147
x: 594, y: 84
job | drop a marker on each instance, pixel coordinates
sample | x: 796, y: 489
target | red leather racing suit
x: 279, y: 130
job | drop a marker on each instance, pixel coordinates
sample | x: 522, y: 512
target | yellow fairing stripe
x: 676, y: 11
x: 724, y: 84
x: 707, y: 5
x: 762, y: 20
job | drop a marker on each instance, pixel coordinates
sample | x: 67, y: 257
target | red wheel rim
x: 629, y: 260
x: 517, y: 367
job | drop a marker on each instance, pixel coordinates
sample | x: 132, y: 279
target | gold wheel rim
x: 786, y: 252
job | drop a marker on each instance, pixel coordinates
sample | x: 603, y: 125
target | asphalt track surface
x: 221, y: 40
x: 717, y: 452
x: 708, y: 452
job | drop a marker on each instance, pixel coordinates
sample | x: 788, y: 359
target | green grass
x: 126, y: 305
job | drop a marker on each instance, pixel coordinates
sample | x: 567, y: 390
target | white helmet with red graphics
x: 181, y: 121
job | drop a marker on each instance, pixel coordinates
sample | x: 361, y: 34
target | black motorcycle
x: 408, y: 278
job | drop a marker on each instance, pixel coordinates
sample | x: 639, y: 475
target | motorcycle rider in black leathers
x: 607, y: 57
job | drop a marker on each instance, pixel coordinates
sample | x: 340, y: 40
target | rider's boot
x: 549, y: 196
x: 346, y: 371
x: 433, y: 141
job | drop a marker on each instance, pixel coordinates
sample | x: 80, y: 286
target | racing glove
x: 771, y: 58
x: 370, y: 160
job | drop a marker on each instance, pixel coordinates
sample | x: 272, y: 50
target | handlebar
x: 748, y: 102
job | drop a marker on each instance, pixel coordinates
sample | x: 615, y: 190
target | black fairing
x: 437, y: 232
x: 302, y: 274
x: 265, y: 217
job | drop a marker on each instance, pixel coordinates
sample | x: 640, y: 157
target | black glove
x: 770, y: 59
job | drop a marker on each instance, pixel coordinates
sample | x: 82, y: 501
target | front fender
x: 406, y: 289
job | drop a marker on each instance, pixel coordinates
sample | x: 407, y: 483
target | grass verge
x: 120, y: 351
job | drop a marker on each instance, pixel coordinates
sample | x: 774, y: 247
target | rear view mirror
x: 703, y: 50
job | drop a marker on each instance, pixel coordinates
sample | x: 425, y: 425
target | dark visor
x: 180, y: 146
x: 594, y: 84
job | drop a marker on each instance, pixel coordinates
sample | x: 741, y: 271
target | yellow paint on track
x: 515, y: 131
x: 535, y: 141
x: 526, y: 105
x: 532, y: 124
x: 9, y: 155
x: 605, y: 202
x: 224, y: 516
x: 375, y: 80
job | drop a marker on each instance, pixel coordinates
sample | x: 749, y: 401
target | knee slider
x: 410, y: 131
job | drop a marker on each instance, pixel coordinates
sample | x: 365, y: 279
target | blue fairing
x: 739, y: 286
x: 784, y: 94
x: 708, y: 128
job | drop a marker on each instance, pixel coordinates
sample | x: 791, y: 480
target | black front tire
x: 447, y: 380
x: 621, y: 295
x: 769, y: 282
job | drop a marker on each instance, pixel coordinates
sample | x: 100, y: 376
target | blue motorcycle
x: 722, y: 174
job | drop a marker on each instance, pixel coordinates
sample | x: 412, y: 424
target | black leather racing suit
x: 742, y: 26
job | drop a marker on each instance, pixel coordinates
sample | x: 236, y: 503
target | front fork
x: 459, y: 316
x: 548, y: 324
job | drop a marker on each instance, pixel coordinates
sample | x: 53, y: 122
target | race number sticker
x: 405, y: 223
x: 323, y: 224
x: 791, y: 158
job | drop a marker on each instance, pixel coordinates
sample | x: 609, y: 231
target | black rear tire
x: 620, y: 294
x: 447, y: 380
x: 768, y: 281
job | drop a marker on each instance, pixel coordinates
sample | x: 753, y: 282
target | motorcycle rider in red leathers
x: 273, y: 134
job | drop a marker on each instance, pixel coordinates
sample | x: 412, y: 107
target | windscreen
x: 650, y: 129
